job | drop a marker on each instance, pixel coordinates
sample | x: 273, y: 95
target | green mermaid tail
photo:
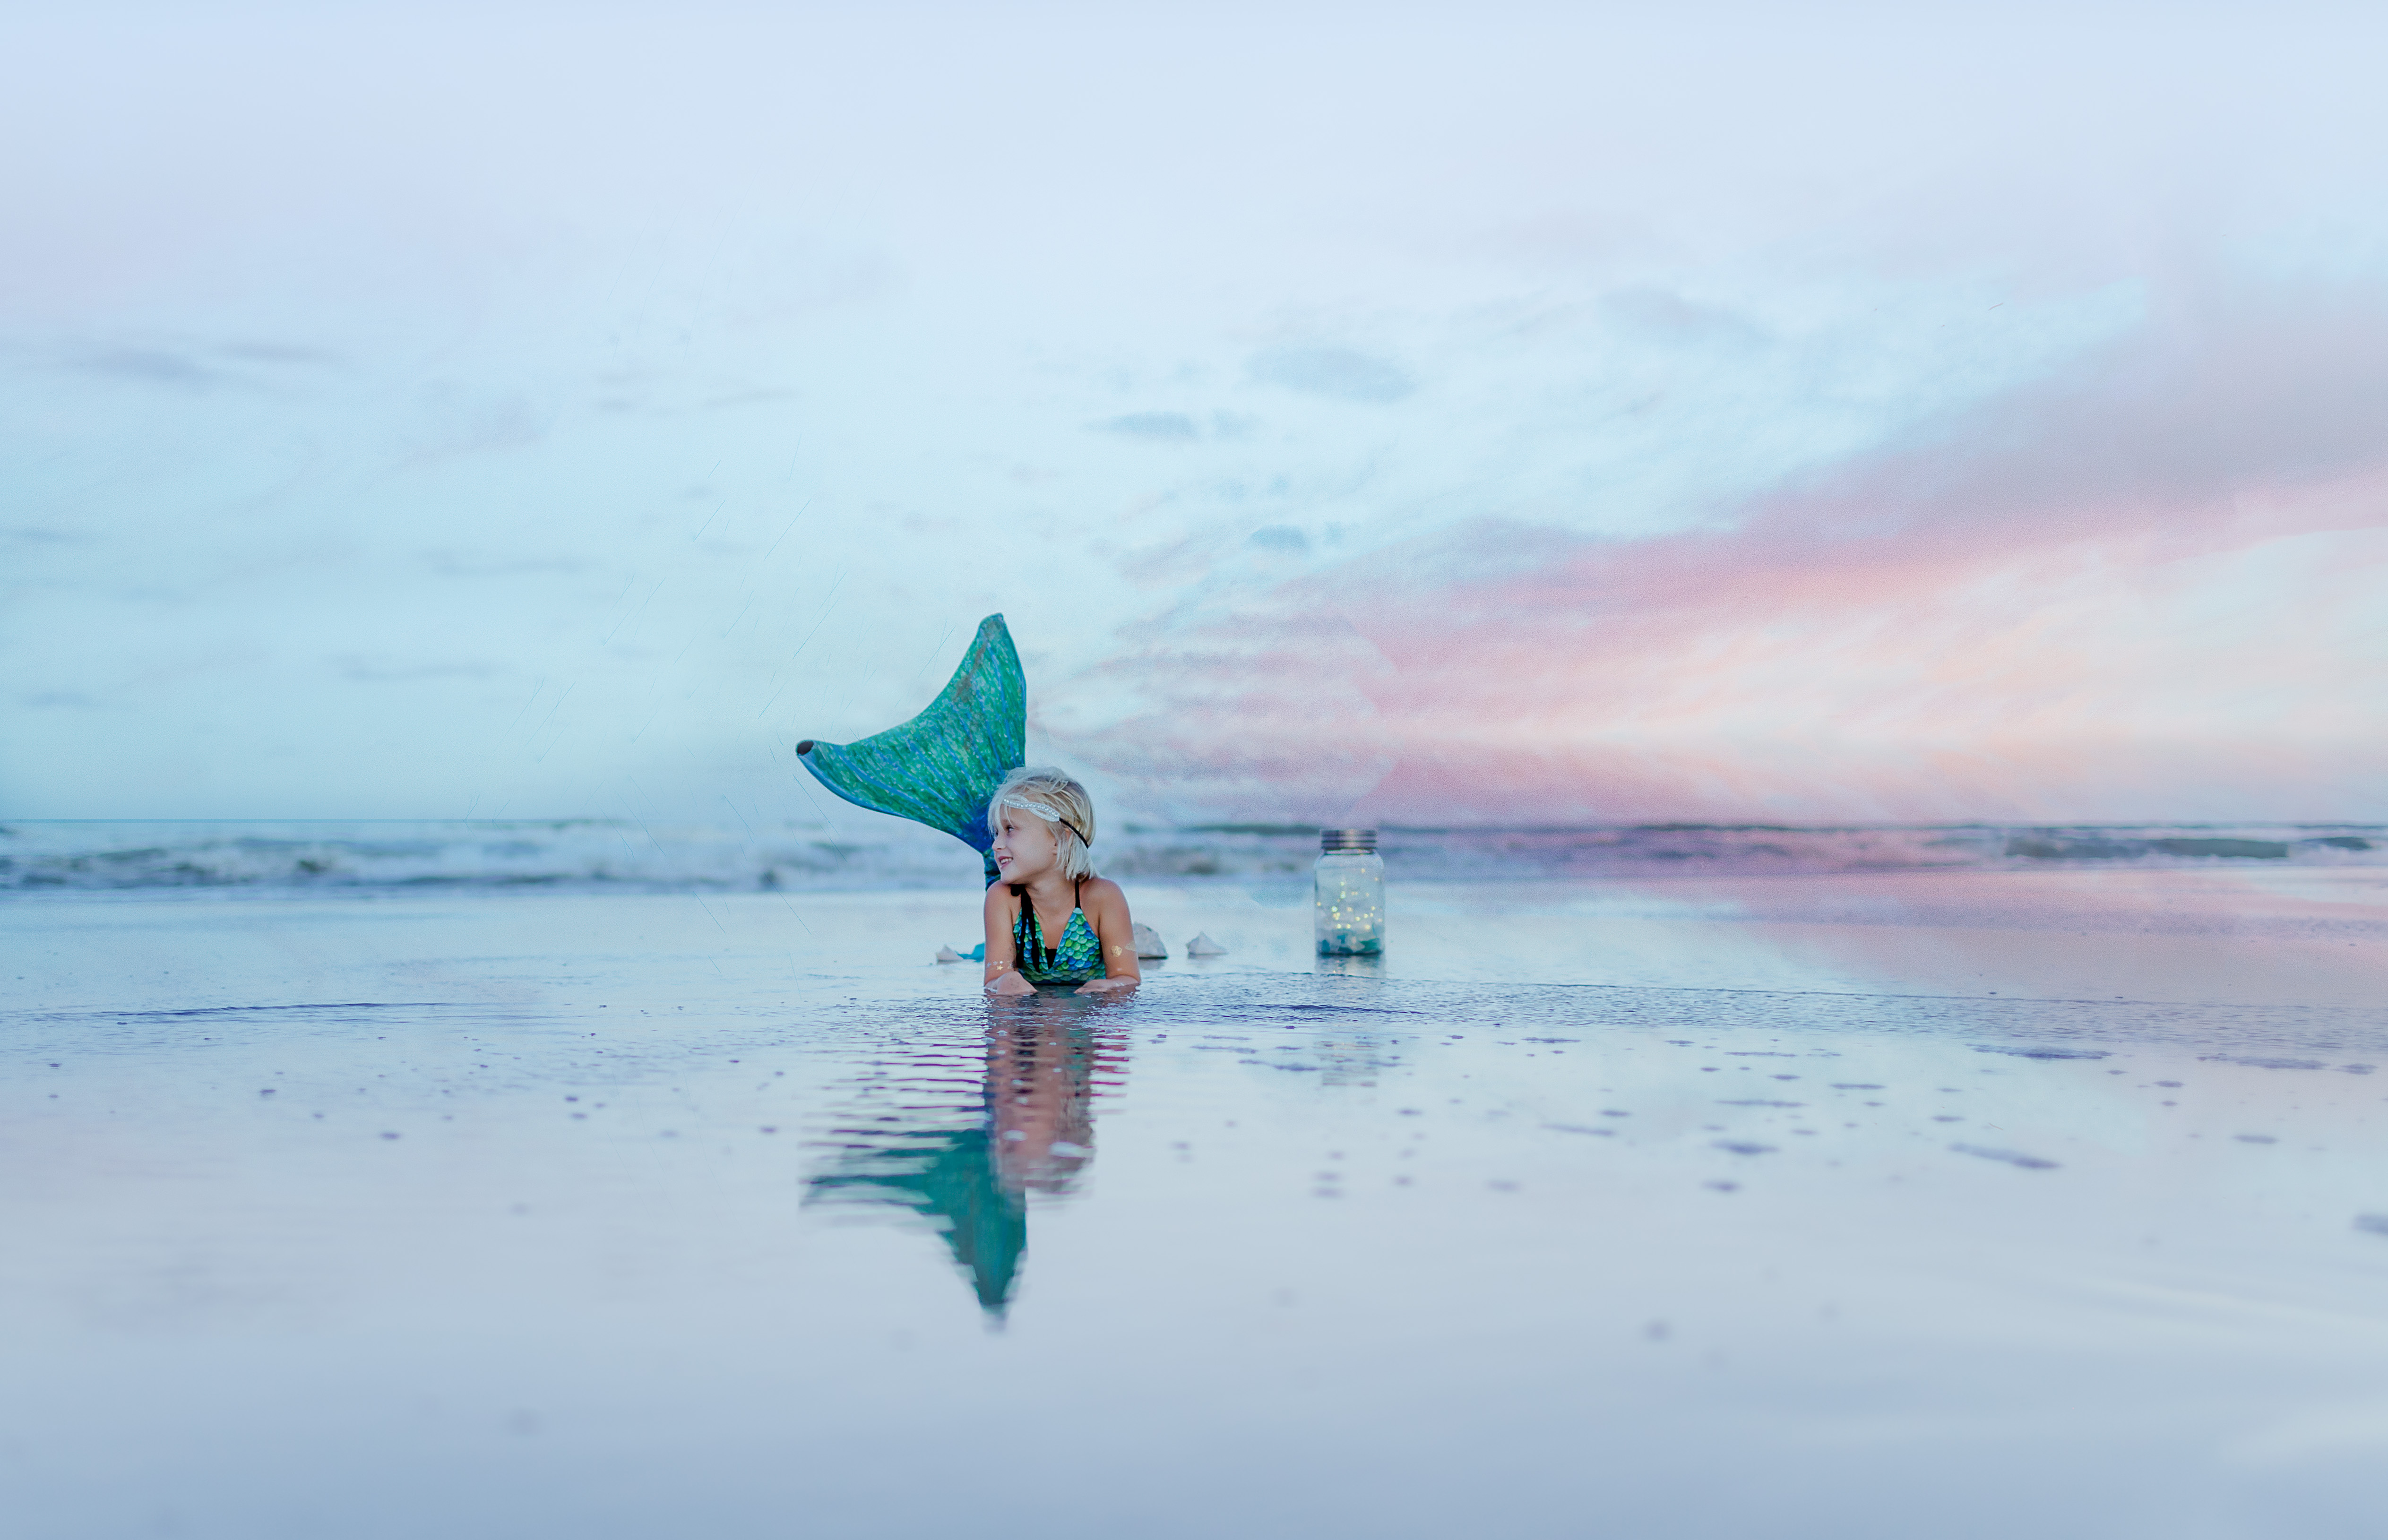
x: 941, y: 766
x: 954, y: 1179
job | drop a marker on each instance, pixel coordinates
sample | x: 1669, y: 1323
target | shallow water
x: 1933, y: 1204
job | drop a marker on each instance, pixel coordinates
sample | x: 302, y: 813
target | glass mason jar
x: 1350, y: 882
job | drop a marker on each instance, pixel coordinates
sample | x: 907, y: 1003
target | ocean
x: 588, y: 1179
x: 615, y: 855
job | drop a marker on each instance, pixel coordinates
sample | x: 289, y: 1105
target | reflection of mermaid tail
x: 911, y: 1137
x: 940, y: 768
x: 951, y: 1181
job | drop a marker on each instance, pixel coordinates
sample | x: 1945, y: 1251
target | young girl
x: 1049, y: 919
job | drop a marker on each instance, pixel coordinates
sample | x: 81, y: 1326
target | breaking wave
x: 603, y: 855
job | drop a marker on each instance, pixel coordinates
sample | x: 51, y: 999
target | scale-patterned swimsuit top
x: 1076, y: 958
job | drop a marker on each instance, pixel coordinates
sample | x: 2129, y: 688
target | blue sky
x: 1501, y: 415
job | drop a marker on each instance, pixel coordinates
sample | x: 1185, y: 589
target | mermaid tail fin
x: 940, y: 768
x: 957, y: 1179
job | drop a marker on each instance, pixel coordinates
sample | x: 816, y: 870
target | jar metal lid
x: 1333, y: 840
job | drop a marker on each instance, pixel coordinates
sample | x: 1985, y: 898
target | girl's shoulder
x: 1102, y: 890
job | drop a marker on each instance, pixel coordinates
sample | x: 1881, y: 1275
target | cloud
x: 285, y: 353
x: 1267, y: 719
x: 1338, y: 373
x: 2144, y: 585
x: 1553, y: 417
x: 450, y: 422
x: 366, y: 670
x: 1161, y: 426
x: 462, y: 564
x: 194, y: 366
x: 152, y: 366
x: 1663, y: 315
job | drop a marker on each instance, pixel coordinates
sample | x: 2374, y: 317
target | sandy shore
x: 1971, y: 1204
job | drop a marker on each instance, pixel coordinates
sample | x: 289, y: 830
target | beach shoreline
x: 501, y: 1213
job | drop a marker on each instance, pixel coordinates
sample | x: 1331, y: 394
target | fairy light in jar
x: 1349, y: 885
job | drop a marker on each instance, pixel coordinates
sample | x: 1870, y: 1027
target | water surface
x: 1960, y: 1204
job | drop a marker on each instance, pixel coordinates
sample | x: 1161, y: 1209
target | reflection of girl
x: 1043, y: 822
x: 1031, y: 1129
x: 1041, y: 1084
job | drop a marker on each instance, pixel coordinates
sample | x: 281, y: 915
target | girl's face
x: 1026, y: 847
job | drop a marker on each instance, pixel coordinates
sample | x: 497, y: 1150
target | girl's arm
x: 1107, y: 910
x: 1002, y: 977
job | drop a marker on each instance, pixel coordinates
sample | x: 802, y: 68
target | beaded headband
x: 1041, y: 810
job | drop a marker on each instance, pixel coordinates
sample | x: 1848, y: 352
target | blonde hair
x: 1061, y: 802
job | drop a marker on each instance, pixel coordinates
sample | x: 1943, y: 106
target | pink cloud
x: 2150, y: 588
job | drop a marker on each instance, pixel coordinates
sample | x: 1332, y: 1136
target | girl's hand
x: 1108, y: 986
x: 1001, y: 977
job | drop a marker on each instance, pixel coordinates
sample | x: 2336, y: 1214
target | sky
x: 1424, y: 414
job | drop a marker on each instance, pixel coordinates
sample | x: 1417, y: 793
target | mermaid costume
x: 941, y: 768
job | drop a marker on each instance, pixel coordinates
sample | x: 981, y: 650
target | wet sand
x: 1952, y: 1204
